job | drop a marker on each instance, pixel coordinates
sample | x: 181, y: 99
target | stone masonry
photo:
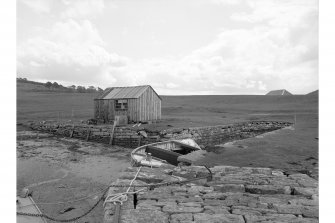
x: 235, y: 194
x: 131, y: 137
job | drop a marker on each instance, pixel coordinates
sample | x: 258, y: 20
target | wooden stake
x: 88, y: 135
x: 71, y: 135
x: 112, y: 134
x: 139, y: 141
x: 116, y: 218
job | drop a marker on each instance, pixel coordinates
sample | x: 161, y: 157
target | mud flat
x: 57, y: 170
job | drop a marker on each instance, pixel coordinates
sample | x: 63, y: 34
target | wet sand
x: 59, y: 169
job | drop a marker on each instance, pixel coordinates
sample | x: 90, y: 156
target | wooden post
x: 112, y: 134
x: 88, y: 134
x: 139, y: 141
x: 71, y: 135
x: 116, y: 218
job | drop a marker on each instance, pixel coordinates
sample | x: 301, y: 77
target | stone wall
x: 236, y: 195
x: 214, y: 135
x: 131, y: 137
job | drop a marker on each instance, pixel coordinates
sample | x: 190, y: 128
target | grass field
x: 287, y: 149
x: 177, y: 111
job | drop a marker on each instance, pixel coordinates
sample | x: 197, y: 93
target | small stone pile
x: 235, y: 194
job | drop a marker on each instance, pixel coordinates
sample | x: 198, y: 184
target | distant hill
x: 316, y: 93
x: 28, y: 85
x: 279, y: 92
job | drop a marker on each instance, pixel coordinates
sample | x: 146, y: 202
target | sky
x: 179, y: 47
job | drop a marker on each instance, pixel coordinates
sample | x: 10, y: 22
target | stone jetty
x: 235, y: 194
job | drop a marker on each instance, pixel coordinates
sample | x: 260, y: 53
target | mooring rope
x: 63, y: 220
x: 122, y: 197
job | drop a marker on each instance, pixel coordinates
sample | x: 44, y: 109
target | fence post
x: 71, y: 135
x: 88, y: 134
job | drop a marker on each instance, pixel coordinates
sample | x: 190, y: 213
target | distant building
x: 279, y: 92
x: 136, y: 104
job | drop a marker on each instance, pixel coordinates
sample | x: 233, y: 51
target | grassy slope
x: 37, y: 103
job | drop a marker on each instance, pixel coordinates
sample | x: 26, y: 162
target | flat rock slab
x: 172, y: 209
x: 268, y: 189
x: 305, y: 191
x: 229, y: 188
x: 181, y: 217
x: 277, y: 218
x: 216, y: 218
x: 144, y: 216
x: 217, y: 210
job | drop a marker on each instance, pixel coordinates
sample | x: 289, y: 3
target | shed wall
x: 145, y: 108
x: 149, y: 106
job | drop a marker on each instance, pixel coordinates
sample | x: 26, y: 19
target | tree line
x: 56, y: 86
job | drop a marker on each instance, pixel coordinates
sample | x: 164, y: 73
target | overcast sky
x: 176, y: 46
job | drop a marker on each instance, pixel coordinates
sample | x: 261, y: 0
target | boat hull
x: 162, y: 153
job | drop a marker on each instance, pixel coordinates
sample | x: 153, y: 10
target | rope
x: 122, y: 197
x: 160, y: 184
x: 63, y: 220
x: 138, y: 171
x: 119, y: 199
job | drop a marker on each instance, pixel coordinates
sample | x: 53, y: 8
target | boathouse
x: 130, y: 104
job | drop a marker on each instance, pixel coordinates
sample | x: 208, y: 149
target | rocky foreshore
x: 235, y: 194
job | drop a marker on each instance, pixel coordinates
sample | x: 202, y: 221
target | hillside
x: 313, y: 93
x: 279, y: 92
x: 34, y: 86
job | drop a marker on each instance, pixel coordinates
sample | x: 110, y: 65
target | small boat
x: 173, y: 152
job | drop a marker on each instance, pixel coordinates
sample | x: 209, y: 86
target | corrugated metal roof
x: 123, y: 92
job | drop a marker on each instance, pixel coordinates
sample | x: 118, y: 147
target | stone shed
x: 135, y: 104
